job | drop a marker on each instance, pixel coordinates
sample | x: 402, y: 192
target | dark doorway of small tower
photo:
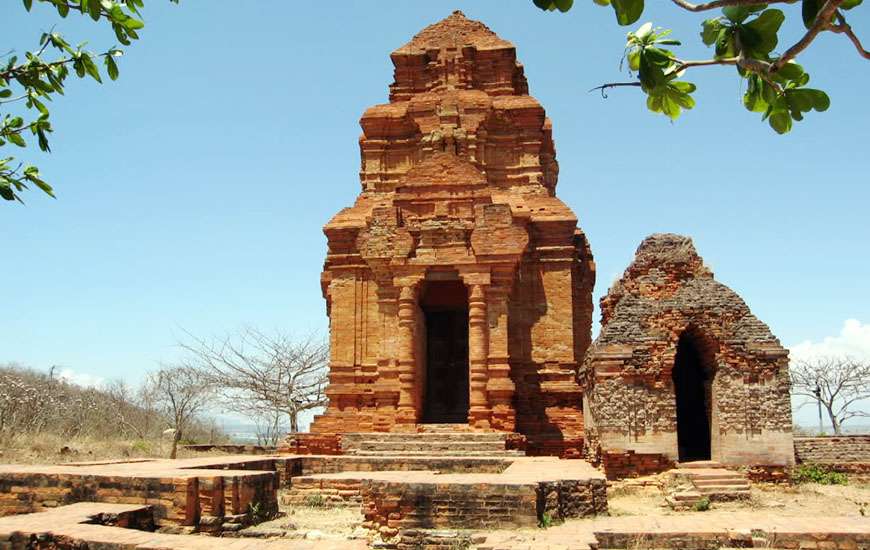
x: 445, y: 309
x: 693, y: 382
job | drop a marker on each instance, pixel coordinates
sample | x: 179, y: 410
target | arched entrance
x: 445, y: 311
x: 693, y: 382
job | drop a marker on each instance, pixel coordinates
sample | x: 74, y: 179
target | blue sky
x: 191, y: 192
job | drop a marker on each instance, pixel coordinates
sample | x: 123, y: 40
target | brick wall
x: 619, y: 465
x: 847, y: 452
x: 177, y: 501
x: 311, y: 444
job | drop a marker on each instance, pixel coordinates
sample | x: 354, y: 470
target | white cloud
x: 853, y: 341
x: 81, y: 378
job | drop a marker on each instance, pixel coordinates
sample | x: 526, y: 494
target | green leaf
x: 16, y: 139
x: 94, y: 9
x: 6, y: 189
x: 791, y: 71
x: 809, y: 11
x: 111, y: 67
x: 738, y: 14
x: 627, y: 11
x: 5, y: 92
x: 564, y: 5
x: 91, y: 68
x: 849, y: 4
x: 780, y: 120
x: 759, y: 36
x: 28, y: 4
x: 710, y: 31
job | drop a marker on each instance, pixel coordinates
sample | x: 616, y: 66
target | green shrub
x: 702, y: 505
x: 315, y: 501
x: 546, y: 521
x: 817, y: 473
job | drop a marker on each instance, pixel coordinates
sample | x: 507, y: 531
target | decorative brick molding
x: 311, y: 444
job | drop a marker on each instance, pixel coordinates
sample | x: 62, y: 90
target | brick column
x: 405, y: 352
x: 478, y: 351
x: 499, y: 386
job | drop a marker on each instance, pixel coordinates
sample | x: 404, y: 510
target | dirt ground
x: 51, y: 449
x: 809, y: 499
x: 629, y: 498
x: 318, y: 523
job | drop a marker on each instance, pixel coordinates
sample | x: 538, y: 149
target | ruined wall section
x: 666, y: 292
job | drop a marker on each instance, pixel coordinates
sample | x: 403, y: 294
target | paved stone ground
x: 731, y: 529
x: 522, y: 470
x: 70, y: 522
x: 834, y: 533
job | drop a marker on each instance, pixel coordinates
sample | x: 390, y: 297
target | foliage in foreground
x: 34, y: 79
x: 817, y: 473
x: 745, y: 36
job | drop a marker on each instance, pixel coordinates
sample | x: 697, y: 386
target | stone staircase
x: 430, y: 440
x: 707, y: 479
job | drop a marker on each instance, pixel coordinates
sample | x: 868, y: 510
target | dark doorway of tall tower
x: 445, y: 309
x: 692, y: 387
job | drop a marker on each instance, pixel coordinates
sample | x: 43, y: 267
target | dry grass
x: 331, y: 523
x: 54, y: 449
x: 806, y: 500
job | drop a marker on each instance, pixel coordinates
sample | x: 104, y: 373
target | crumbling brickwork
x: 668, y: 301
x: 458, y: 213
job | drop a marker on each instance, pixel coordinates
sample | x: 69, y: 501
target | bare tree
x: 182, y: 392
x: 837, y: 383
x: 263, y: 376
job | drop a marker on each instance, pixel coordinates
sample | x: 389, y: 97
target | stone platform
x: 694, y: 531
x: 430, y: 443
x: 118, y: 526
x: 394, y: 492
x: 520, y: 495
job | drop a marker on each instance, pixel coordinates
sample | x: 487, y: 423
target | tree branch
x: 822, y: 22
x: 844, y: 28
x: 605, y: 87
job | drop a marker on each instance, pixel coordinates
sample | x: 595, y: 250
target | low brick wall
x: 389, y: 506
x: 309, y: 465
x: 306, y: 491
x: 177, y: 501
x: 311, y: 444
x: 847, y: 453
x: 631, y: 464
x: 174, y: 499
x: 561, y: 500
x: 232, y: 449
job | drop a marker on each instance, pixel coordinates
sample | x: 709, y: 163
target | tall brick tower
x: 458, y: 286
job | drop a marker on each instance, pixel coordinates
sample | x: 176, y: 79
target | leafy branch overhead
x: 746, y: 36
x: 28, y: 82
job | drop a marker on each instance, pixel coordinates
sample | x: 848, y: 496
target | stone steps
x: 716, y: 483
x: 429, y: 446
x: 446, y: 453
x: 441, y: 441
x: 483, y: 437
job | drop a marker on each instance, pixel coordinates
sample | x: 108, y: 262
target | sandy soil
x: 809, y: 499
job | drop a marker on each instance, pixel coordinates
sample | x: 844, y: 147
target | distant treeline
x: 34, y: 403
